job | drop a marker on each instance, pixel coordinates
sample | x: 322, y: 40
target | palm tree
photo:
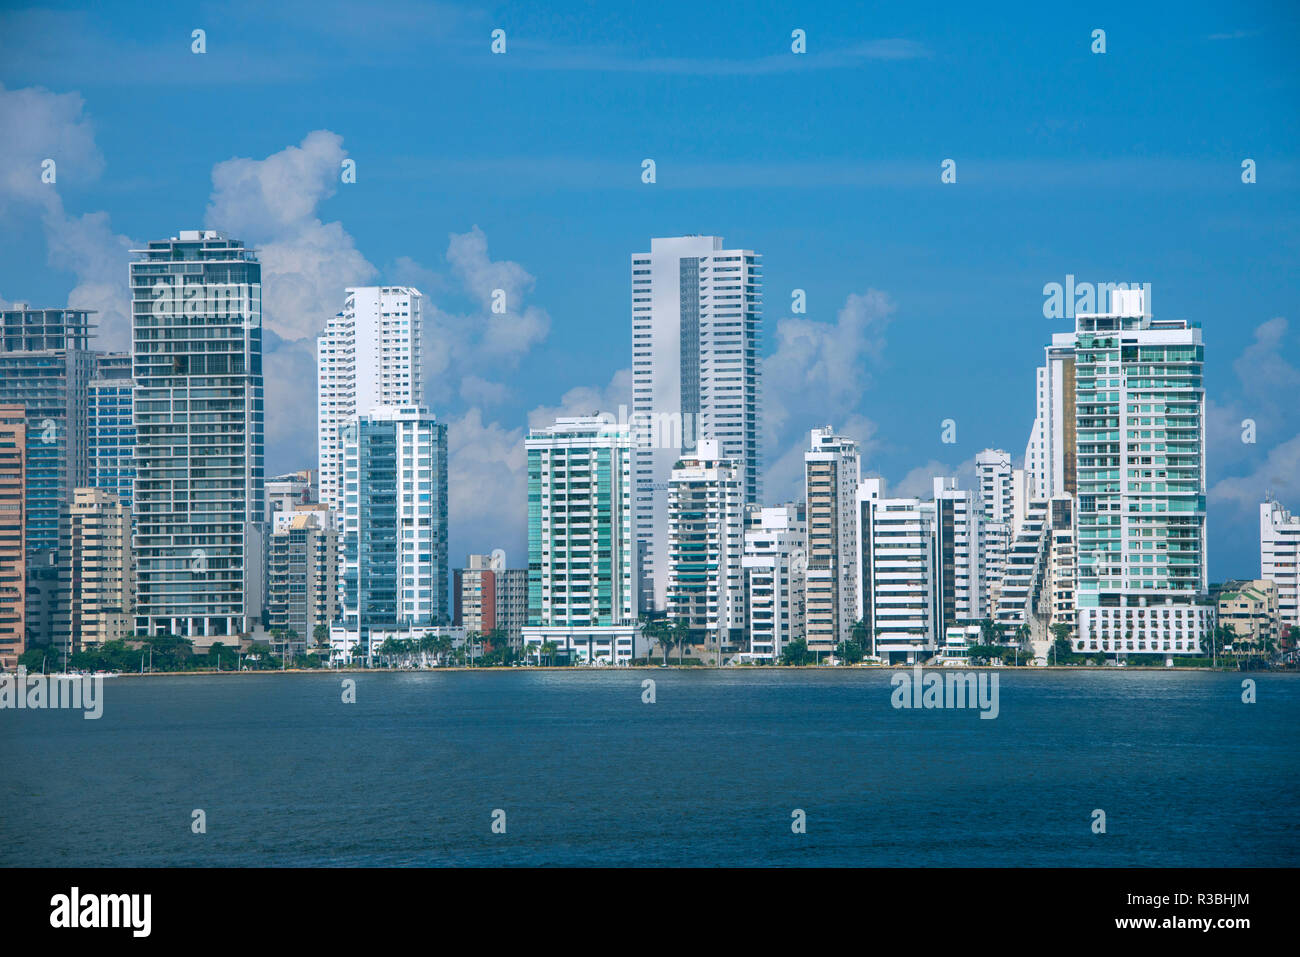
x: 659, y: 632
x: 1022, y: 639
x: 681, y: 633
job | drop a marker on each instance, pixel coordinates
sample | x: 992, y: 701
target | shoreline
x: 462, y: 669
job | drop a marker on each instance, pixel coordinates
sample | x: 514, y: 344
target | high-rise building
x: 706, y: 545
x: 111, y: 426
x: 775, y: 565
x: 96, y: 572
x: 1050, y: 455
x: 1140, y: 521
x: 394, y: 495
x: 488, y: 597
x: 831, y: 604
x: 45, y: 366
x: 13, y: 551
x: 1279, y: 558
x: 581, y: 542
x: 302, y: 574
x: 696, y: 316
x: 959, y: 525
x: 993, y: 469
x: 1062, y: 567
x: 199, y: 419
x: 1040, y: 576
x: 368, y: 356
x: 900, y: 572
x: 290, y: 491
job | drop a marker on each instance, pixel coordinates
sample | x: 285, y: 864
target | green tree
x: 680, y: 632
x: 658, y: 632
x: 989, y: 634
x: 795, y: 652
x: 1062, y: 648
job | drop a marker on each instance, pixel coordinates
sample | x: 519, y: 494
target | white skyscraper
x: 368, y: 356
x: 1140, y: 521
x: 959, y: 525
x: 394, y: 543
x: 581, y: 562
x: 1279, y: 558
x: 831, y: 475
x: 775, y: 566
x: 696, y: 311
x: 706, y: 543
x: 1050, y: 455
x: 900, y: 573
x: 994, y: 472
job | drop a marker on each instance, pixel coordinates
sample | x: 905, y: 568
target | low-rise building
x: 1250, y: 609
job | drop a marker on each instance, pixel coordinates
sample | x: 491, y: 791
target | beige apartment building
x: 1251, y: 609
x: 13, y: 554
x: 96, y: 571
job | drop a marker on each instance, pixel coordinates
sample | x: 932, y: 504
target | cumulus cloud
x: 487, y: 483
x: 478, y: 391
x: 273, y: 205
x: 40, y: 125
x: 475, y: 338
x: 819, y: 370
x: 817, y: 376
x: 919, y: 482
x: 1265, y: 391
x: 1278, y: 473
x: 289, y: 382
x: 783, y: 480
x: 588, y: 400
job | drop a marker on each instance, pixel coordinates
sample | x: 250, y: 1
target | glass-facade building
x: 198, y: 492
x: 1140, y: 425
x: 394, y: 497
x: 45, y: 367
x: 580, y: 525
x: 111, y: 426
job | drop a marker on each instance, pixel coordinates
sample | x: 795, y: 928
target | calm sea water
x: 708, y: 775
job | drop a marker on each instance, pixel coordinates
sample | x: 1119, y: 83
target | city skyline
x: 881, y: 248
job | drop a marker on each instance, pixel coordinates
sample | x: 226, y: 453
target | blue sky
x: 522, y: 171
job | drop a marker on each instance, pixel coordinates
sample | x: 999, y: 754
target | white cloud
x: 1279, y: 474
x: 817, y: 376
x: 39, y: 126
x: 1264, y: 392
x: 819, y: 370
x: 1267, y: 386
x: 478, y: 391
x: 588, y: 400
x: 919, y: 482
x: 289, y: 381
x: 272, y: 204
x: 783, y: 481
x: 487, y: 483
